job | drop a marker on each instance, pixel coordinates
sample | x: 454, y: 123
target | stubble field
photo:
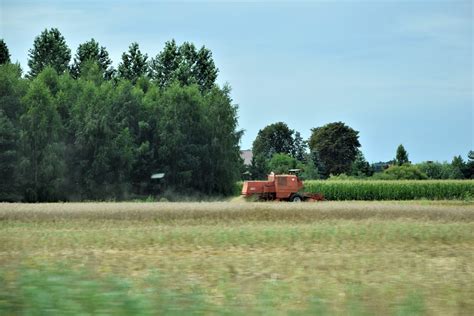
x: 238, y: 258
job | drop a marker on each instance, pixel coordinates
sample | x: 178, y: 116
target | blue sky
x: 400, y: 72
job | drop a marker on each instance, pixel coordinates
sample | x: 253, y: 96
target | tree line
x: 81, y: 130
x: 75, y: 128
x: 333, y: 151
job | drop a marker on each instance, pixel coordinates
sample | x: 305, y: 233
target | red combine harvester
x: 284, y: 187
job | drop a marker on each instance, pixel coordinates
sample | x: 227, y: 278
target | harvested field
x: 238, y: 258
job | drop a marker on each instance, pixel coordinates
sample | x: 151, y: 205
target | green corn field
x: 373, y: 190
x: 392, y: 190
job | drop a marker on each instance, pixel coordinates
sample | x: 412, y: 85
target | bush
x: 405, y: 172
x: 281, y: 163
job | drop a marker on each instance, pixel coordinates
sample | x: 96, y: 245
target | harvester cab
x: 296, y: 172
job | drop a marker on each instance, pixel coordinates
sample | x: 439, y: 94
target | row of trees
x: 333, y: 150
x: 184, y: 64
x: 82, y: 130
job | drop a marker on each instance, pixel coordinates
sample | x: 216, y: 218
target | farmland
x: 377, y: 190
x: 393, y: 190
x: 238, y: 258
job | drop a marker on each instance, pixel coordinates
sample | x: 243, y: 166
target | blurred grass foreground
x: 358, y: 258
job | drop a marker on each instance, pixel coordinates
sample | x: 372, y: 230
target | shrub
x: 405, y: 172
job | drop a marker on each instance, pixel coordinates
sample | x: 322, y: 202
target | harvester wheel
x: 296, y: 198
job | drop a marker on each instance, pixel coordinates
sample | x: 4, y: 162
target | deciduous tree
x: 299, y: 147
x: 223, y: 161
x: 470, y: 165
x: 402, y: 156
x: 459, y: 168
x: 4, y: 53
x: 184, y: 64
x: 49, y: 49
x: 42, y: 164
x: 12, y: 88
x: 91, y: 52
x: 337, y: 146
x: 182, y: 137
x: 134, y: 64
x: 275, y: 138
x: 360, y: 166
x: 8, y: 160
x: 282, y: 163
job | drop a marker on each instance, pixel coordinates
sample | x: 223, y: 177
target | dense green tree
x: 299, y: 147
x: 12, y: 89
x: 129, y: 117
x: 133, y: 65
x: 147, y: 159
x: 282, y: 163
x: 50, y: 78
x: 337, y: 146
x: 204, y: 70
x: 185, y: 71
x: 310, y: 169
x: 182, y: 137
x: 49, y: 49
x: 458, y: 168
x: 401, y: 156
x: 4, y: 53
x: 275, y: 138
x: 434, y: 170
x: 258, y: 167
x: 8, y: 160
x: 403, y: 172
x: 164, y: 65
x: 104, y: 143
x: 92, y: 138
x: 88, y: 132
x: 360, y: 167
x: 223, y: 159
x: 318, y: 163
x: 42, y: 164
x: 184, y: 64
x: 91, y: 51
x: 470, y: 165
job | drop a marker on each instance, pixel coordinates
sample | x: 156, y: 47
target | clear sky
x: 400, y: 72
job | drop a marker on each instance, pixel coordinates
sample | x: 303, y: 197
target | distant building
x: 246, y: 156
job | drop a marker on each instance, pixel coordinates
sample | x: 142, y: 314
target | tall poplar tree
x: 223, y: 164
x: 183, y: 137
x: 185, y: 64
x: 91, y: 52
x: 8, y: 160
x: 42, y: 165
x: 164, y: 65
x: 401, y: 156
x: 49, y: 49
x: 134, y: 64
x: 4, y: 53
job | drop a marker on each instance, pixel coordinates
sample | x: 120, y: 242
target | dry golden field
x: 238, y: 258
